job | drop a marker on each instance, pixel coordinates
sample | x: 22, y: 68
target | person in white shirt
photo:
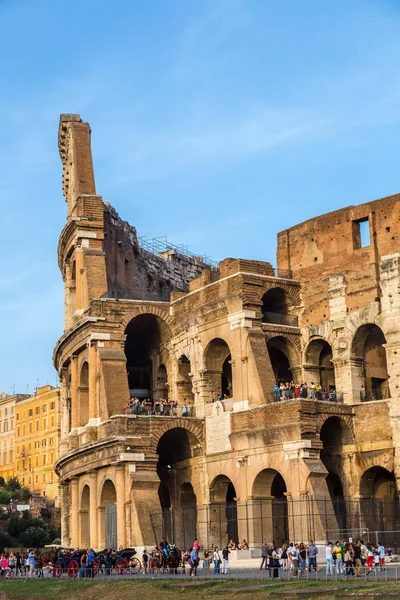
x: 329, y: 558
x: 217, y: 561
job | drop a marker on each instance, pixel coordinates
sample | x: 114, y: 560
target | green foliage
x: 13, y: 484
x: 2, y: 482
x: 24, y: 493
x: 35, y: 537
x: 5, y: 541
x: 4, y: 497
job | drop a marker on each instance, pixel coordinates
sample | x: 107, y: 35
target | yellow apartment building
x: 7, y: 432
x: 37, y: 433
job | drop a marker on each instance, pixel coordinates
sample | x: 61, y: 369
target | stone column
x: 64, y: 413
x: 74, y: 392
x: 74, y: 488
x: 94, y: 526
x: 65, y: 515
x: 101, y: 526
x: 93, y: 412
x: 120, y: 489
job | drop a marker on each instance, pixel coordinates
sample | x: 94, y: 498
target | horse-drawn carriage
x: 124, y: 561
x: 165, y: 560
x: 65, y: 560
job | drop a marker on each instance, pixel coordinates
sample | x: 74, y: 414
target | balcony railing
x: 276, y: 318
x: 376, y: 394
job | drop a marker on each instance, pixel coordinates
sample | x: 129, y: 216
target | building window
x: 52, y: 421
x: 37, y: 410
x: 37, y: 478
x: 36, y: 445
x: 17, y: 416
x: 52, y: 404
x: 44, y: 423
x: 23, y: 429
x: 51, y: 441
x: 44, y: 459
x: 36, y: 461
x: 18, y: 431
x: 5, y: 425
x: 44, y: 407
x: 361, y: 234
x: 44, y: 477
x: 30, y: 412
x: 37, y: 425
x: 44, y: 443
x: 17, y: 465
x: 30, y: 427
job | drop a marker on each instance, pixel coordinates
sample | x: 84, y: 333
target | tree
x: 13, y: 484
x: 2, y: 482
x: 4, y: 497
x: 35, y: 537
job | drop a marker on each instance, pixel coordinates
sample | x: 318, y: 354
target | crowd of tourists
x: 158, y: 408
x: 294, y: 391
x: 21, y: 564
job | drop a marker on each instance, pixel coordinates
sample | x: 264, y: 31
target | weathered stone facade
x: 248, y: 466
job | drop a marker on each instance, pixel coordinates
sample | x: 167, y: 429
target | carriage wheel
x: 96, y: 566
x: 57, y: 571
x: 122, y: 565
x: 135, y: 566
x: 73, y: 568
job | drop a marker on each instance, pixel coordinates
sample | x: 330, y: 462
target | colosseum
x: 226, y: 401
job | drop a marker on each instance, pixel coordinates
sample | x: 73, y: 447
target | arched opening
x: 145, y: 336
x: 218, y: 363
x: 175, y: 448
x: 270, y: 509
x: 108, y: 515
x: 161, y: 390
x: 277, y: 308
x: 283, y: 357
x: 379, y: 500
x: 223, y: 512
x: 84, y: 518
x: 319, y: 365
x: 334, y: 435
x: 368, y: 345
x: 83, y: 395
x: 184, y: 381
x: 189, y: 514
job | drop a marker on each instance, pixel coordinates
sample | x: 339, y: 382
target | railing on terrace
x: 336, y: 397
x: 276, y: 318
x: 376, y: 394
x: 156, y: 411
x: 283, y: 273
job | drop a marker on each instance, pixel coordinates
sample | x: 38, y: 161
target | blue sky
x: 215, y: 122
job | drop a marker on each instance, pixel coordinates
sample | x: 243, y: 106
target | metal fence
x: 281, y: 520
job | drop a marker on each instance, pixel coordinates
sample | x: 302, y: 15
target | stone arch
x: 108, y: 514
x: 284, y: 357
x: 145, y: 349
x: 269, y: 508
x: 292, y: 292
x: 148, y: 309
x: 218, y: 369
x: 223, y: 511
x: 318, y: 357
x: 336, y: 433
x: 193, y: 426
x: 368, y: 346
x: 278, y: 307
x: 347, y: 419
x: 184, y: 381
x: 379, y: 503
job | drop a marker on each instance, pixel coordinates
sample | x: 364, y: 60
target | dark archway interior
x: 280, y: 365
x: 319, y: 354
x: 279, y: 510
x: 276, y: 308
x: 335, y: 433
x: 379, y: 500
x: 226, y: 377
x: 368, y: 343
x: 174, y: 446
x: 144, y: 335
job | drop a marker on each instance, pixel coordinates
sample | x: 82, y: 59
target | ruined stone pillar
x: 74, y: 489
x: 94, y: 526
x: 120, y: 489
